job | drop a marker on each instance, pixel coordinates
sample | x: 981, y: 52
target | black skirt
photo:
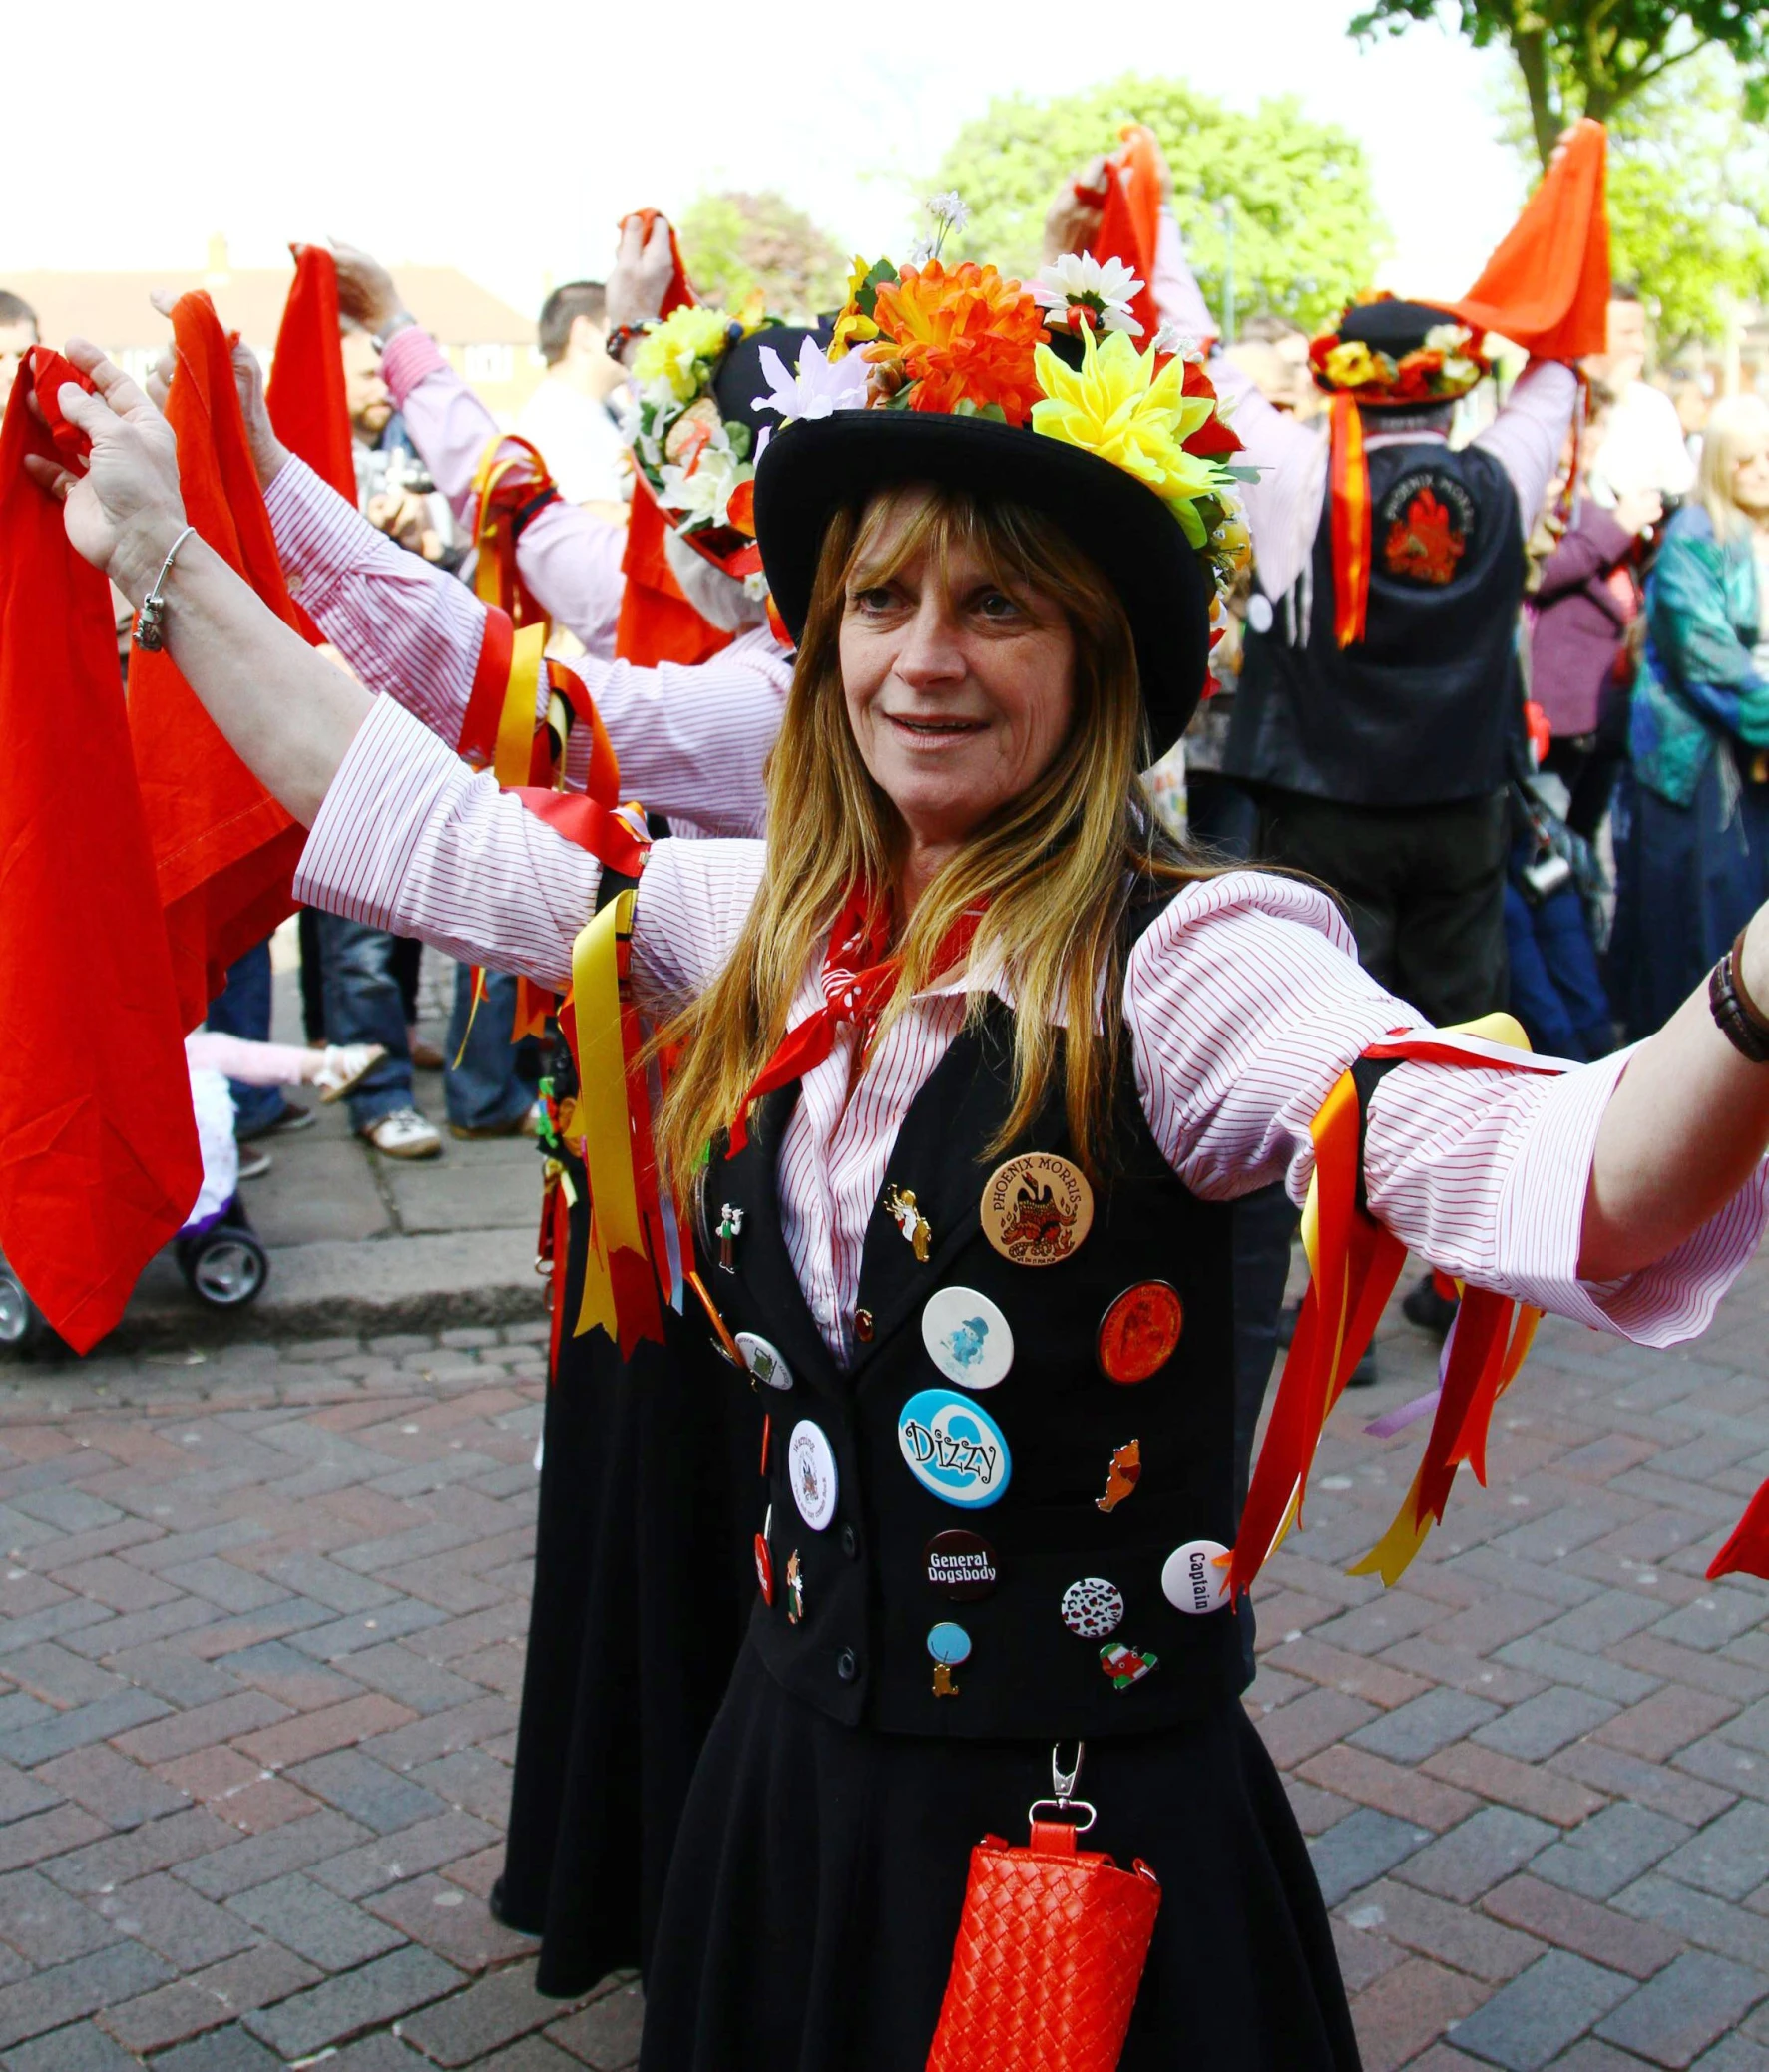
x: 821, y: 1870
x: 643, y: 1584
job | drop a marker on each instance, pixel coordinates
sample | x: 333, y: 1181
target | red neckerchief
x: 858, y: 982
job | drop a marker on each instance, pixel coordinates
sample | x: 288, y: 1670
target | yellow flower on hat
x: 1351, y: 364
x: 1117, y: 406
x: 669, y: 352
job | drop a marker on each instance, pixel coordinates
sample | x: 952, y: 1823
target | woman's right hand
x: 124, y: 513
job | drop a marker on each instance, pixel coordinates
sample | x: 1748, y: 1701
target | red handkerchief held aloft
x: 225, y: 851
x: 99, y: 1164
x: 1546, y: 287
x: 306, y: 392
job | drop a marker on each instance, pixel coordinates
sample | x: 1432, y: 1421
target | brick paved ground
x: 262, y: 1638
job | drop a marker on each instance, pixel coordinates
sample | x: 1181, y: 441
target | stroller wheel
x: 23, y: 1328
x: 227, y: 1269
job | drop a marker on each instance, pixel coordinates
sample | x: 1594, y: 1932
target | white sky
x: 507, y: 138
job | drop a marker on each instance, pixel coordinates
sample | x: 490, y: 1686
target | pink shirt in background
x: 693, y: 742
x: 568, y: 558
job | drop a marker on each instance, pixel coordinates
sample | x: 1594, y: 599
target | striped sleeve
x: 1245, y: 1002
x: 409, y: 839
x: 404, y: 627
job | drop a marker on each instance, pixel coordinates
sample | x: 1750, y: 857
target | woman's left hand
x: 125, y: 512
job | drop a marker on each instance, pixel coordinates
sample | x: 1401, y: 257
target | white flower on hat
x: 1447, y: 338
x: 701, y: 492
x: 818, y: 388
x: 1105, y: 289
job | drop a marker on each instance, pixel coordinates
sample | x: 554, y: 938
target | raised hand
x: 124, y: 513
x: 642, y: 273
x: 365, y: 289
x: 1071, y: 223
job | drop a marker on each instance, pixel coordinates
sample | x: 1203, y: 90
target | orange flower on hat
x: 960, y: 335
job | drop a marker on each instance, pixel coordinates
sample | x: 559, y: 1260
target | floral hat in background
x: 1389, y: 355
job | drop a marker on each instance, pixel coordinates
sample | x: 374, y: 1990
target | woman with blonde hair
x: 977, y: 1058
x: 1692, y: 808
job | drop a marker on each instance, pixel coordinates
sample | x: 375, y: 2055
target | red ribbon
x: 858, y: 982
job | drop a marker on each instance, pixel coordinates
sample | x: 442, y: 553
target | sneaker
x: 287, y: 1119
x: 253, y: 1163
x: 1423, y: 1306
x: 343, y: 1065
x: 403, y: 1134
x: 528, y: 1123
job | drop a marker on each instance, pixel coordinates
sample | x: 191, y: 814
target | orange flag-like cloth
x: 1131, y: 224
x: 305, y: 393
x: 225, y: 849
x: 1546, y: 287
x: 656, y: 622
x: 99, y: 1164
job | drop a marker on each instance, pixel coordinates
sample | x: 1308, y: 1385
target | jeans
x: 244, y: 1009
x: 363, y: 1006
x: 485, y: 1090
x: 1556, y: 991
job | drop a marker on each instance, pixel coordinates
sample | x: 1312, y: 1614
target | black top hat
x: 815, y: 467
x: 1394, y: 329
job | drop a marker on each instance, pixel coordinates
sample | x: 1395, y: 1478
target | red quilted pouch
x: 1049, y: 1953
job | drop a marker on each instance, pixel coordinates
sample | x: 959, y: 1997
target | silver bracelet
x: 149, y: 629
x: 402, y: 320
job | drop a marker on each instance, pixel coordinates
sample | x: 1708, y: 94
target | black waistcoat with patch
x: 1417, y: 713
x: 860, y: 1650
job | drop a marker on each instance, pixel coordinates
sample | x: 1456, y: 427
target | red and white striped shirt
x: 693, y: 742
x: 1244, y: 1001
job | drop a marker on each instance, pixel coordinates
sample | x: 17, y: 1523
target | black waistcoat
x: 1416, y: 713
x: 860, y: 1652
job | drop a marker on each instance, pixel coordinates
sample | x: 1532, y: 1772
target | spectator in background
x: 18, y: 333
x: 1586, y: 597
x: 1643, y: 445
x: 1692, y: 808
x: 571, y: 416
x: 1273, y: 353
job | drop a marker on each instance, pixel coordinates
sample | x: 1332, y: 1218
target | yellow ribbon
x: 601, y: 1118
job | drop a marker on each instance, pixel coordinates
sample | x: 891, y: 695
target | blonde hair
x: 1737, y: 428
x: 1056, y: 865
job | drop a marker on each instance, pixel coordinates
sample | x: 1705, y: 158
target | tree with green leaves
x: 1593, y: 57
x: 734, y: 245
x: 1688, y: 197
x: 1305, y: 226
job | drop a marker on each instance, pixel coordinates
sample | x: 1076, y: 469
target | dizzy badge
x: 1138, y: 1333
x: 810, y: 1468
x: 1194, y: 1577
x: 966, y: 1337
x: 948, y: 1645
x: 1037, y: 1209
x: 953, y: 1448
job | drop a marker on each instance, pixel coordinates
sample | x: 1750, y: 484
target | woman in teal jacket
x: 1692, y: 812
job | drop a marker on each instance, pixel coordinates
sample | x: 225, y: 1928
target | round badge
x: 810, y: 1467
x: 966, y: 1337
x: 1259, y: 613
x: 1138, y: 1333
x: 961, y: 1565
x: 954, y: 1447
x: 949, y: 1644
x: 765, y: 1363
x: 764, y: 1569
x: 1037, y: 1209
x: 1191, y: 1578
x: 1093, y: 1608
